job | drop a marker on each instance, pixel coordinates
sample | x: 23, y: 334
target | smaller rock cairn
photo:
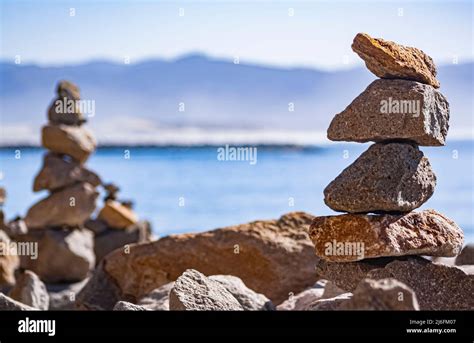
x: 70, y: 243
x: 399, y: 112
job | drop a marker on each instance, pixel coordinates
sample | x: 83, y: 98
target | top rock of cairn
x: 403, y: 105
x: 389, y: 60
x: 65, y: 108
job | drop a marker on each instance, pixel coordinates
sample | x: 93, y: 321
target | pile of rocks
x: 68, y: 241
x: 399, y: 112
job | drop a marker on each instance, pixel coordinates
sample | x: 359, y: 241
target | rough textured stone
x: 331, y: 290
x: 193, y: 291
x: 63, y: 255
x: 9, y: 304
x: 392, y: 177
x: 381, y: 295
x: 273, y: 257
x: 347, y: 275
x: 63, y: 296
x: 58, y: 173
x: 126, y: 306
x: 247, y: 298
x: 158, y: 299
x: 8, y: 261
x: 68, y: 207
x: 352, y: 237
x: 111, y: 239
x: 329, y: 304
x: 100, y: 293
x: 394, y: 110
x: 390, y: 60
x: 466, y: 256
x: 116, y: 215
x: 30, y: 290
x: 301, y: 301
x: 73, y: 141
x: 437, y: 286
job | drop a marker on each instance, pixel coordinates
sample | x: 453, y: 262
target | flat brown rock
x: 388, y: 177
x: 58, y: 173
x: 351, y: 237
x: 74, y: 141
x: 390, y: 60
x: 70, y: 206
x: 117, y: 215
x: 437, y: 287
x: 273, y: 257
x: 394, y: 110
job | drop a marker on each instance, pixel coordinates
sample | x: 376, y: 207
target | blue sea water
x: 189, y: 189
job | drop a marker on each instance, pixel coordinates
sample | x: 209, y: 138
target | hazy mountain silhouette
x: 143, y: 100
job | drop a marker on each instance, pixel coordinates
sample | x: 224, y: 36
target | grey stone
x: 329, y: 304
x: 302, y: 300
x: 58, y: 172
x: 63, y: 255
x: 126, y: 306
x: 193, y: 291
x: 30, y: 290
x: 158, y: 299
x: 391, y: 177
x: 9, y: 304
x: 384, y: 294
x: 422, y: 115
x: 250, y: 300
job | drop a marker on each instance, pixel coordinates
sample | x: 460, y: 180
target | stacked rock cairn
x: 380, y: 191
x: 69, y: 241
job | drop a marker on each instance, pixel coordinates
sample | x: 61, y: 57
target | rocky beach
x: 380, y: 253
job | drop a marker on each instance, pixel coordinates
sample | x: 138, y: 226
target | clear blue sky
x: 319, y: 34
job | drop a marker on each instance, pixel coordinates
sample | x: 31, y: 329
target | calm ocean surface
x: 189, y: 189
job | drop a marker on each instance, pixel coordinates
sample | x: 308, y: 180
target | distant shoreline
x: 315, y: 146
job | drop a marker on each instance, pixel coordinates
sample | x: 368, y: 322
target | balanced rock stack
x: 380, y: 191
x: 56, y: 222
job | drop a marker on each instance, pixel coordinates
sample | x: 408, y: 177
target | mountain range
x: 199, y: 100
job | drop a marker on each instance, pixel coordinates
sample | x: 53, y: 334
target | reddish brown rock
x: 381, y: 295
x: 73, y: 141
x: 388, y: 177
x: 394, y: 110
x: 70, y: 206
x: 353, y: 237
x: 390, y: 60
x: 58, y: 173
x: 273, y: 257
x: 116, y: 215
